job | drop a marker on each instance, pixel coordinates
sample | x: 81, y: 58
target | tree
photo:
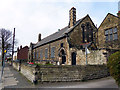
x: 114, y: 66
x: 5, y: 41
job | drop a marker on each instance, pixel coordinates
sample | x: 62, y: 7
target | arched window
x: 83, y: 32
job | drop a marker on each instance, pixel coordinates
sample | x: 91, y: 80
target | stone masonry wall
x: 93, y: 58
x: 71, y: 73
x: 28, y: 71
x: 50, y: 73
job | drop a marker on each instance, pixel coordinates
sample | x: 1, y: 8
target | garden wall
x: 55, y: 73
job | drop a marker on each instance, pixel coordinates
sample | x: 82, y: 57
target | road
x: 13, y: 79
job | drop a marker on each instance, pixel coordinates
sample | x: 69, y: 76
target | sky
x: 31, y: 17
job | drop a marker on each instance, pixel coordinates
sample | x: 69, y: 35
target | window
x: 107, y: 35
x: 107, y: 38
x: 34, y: 55
x: 37, y: 55
x: 115, y: 30
x: 106, y: 32
x: 115, y: 33
x: 41, y: 56
x: 52, y: 52
x: 46, y: 53
x: 115, y: 36
x: 111, y: 37
x: 111, y: 34
x: 111, y: 31
x: 61, y: 44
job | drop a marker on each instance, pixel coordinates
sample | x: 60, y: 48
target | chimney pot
x: 21, y: 47
x: 18, y: 49
x: 39, y: 37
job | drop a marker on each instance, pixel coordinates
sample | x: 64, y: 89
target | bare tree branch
x: 5, y: 41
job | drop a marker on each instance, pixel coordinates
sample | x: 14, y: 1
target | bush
x: 114, y: 66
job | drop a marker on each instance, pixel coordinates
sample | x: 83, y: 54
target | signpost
x: 86, y: 52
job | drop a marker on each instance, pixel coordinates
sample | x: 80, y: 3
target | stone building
x: 109, y: 33
x: 22, y: 53
x: 67, y: 45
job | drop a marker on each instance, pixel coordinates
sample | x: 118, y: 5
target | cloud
x: 31, y: 17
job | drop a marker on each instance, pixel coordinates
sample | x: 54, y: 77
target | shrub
x: 114, y: 66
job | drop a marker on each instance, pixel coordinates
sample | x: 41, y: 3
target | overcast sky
x: 31, y: 17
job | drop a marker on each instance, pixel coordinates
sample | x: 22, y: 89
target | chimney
x: 21, y: 47
x: 39, y: 37
x: 18, y: 49
x: 72, y: 17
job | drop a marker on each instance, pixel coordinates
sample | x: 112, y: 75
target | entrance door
x: 73, y: 58
x: 63, y: 59
x: 63, y: 56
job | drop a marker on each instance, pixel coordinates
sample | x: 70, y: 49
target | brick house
x: 67, y: 45
x: 22, y: 53
x: 109, y: 33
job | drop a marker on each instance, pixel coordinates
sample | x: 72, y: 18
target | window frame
x: 46, y: 53
x: 114, y: 36
x: 41, y: 54
x: 53, y: 52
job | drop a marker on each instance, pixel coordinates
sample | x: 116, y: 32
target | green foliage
x: 114, y: 66
x: 37, y: 64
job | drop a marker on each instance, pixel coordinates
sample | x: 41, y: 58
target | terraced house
x: 109, y: 33
x: 67, y: 45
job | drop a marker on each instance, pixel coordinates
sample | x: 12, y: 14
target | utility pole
x: 13, y: 45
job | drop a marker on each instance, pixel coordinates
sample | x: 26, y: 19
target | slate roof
x: 57, y: 35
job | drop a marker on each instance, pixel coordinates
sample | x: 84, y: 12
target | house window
x: 61, y: 44
x: 107, y: 38
x: 111, y: 37
x: 34, y: 55
x: 107, y: 35
x: 106, y: 32
x: 52, y: 52
x: 115, y: 36
x: 37, y: 55
x: 115, y: 33
x: 111, y: 34
x: 115, y: 30
x: 111, y: 31
x: 41, y: 56
x: 46, y: 53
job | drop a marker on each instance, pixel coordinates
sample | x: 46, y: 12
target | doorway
x: 73, y: 58
x: 63, y: 56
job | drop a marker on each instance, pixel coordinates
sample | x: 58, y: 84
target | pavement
x: 14, y: 79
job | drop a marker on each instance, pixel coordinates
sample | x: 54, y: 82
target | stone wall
x: 50, y: 73
x: 93, y: 58
x: 16, y: 65
x: 71, y: 73
x: 28, y: 71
